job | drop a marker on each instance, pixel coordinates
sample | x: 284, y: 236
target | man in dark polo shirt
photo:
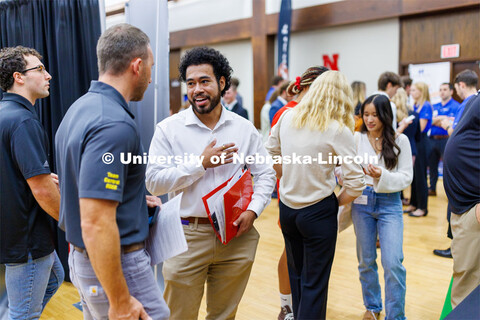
x: 103, y: 208
x: 27, y: 190
x: 462, y: 186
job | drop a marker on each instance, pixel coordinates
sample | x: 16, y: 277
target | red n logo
x: 332, y: 65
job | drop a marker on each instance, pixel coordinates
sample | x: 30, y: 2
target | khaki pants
x: 225, y: 269
x: 466, y: 255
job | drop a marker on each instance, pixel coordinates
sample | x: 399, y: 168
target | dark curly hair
x: 12, y: 59
x: 205, y: 55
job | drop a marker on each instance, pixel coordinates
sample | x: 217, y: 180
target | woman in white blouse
x: 319, y: 126
x: 378, y: 211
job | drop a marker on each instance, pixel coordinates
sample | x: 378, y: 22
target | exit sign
x: 450, y: 51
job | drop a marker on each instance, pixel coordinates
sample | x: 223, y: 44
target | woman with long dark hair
x: 378, y: 211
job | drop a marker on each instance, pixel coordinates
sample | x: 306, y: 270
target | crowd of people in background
x: 409, y: 134
x: 318, y: 113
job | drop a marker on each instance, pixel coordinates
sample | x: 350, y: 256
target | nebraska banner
x: 283, y: 37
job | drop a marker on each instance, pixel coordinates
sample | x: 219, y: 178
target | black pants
x: 310, y: 237
x: 419, y: 197
x: 438, y: 147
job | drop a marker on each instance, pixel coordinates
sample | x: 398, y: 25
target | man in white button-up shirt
x: 207, y: 129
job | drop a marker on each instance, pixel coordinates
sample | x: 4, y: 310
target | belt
x: 440, y: 137
x: 188, y: 220
x: 124, y: 249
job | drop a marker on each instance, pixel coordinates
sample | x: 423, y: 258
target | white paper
x: 166, y: 238
x: 363, y: 199
x: 216, y: 205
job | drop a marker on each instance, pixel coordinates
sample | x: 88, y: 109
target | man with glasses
x: 27, y: 189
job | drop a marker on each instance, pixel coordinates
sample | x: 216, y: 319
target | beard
x: 140, y: 89
x: 214, y: 101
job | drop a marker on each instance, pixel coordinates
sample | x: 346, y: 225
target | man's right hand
x: 224, y: 152
x: 133, y: 310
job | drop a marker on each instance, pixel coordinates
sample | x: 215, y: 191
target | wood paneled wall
x: 425, y: 24
x: 422, y: 36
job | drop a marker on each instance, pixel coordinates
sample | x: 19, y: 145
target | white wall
x: 187, y: 14
x: 240, y: 57
x: 273, y: 6
x: 366, y: 50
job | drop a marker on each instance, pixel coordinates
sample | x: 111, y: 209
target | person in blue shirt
x: 277, y: 81
x: 282, y: 99
x: 466, y: 86
x: 447, y: 108
x: 422, y: 106
x: 33, y: 271
x: 462, y: 186
x: 103, y: 207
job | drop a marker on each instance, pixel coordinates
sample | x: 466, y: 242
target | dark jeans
x: 310, y: 236
x: 438, y: 147
x: 419, y: 198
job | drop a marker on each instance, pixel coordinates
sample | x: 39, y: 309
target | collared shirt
x: 393, y: 105
x: 230, y: 106
x: 449, y: 110
x: 460, y: 109
x: 98, y: 123
x: 425, y: 112
x: 276, y: 105
x: 461, y: 170
x: 24, y: 226
x: 182, y: 135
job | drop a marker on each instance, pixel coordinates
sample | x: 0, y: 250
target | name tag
x: 363, y: 199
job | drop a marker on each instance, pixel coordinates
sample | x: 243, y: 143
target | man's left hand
x: 245, y: 222
x: 153, y: 202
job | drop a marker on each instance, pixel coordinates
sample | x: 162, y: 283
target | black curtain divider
x: 65, y: 33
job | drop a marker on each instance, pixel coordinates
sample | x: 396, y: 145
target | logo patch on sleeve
x: 111, y: 181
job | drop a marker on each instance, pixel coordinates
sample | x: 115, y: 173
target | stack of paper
x: 226, y: 203
x: 166, y: 238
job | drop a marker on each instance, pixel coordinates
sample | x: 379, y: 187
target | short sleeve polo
x: 24, y: 226
x: 96, y: 134
x: 425, y: 113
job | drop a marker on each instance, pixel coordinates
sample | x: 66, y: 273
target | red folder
x: 235, y: 200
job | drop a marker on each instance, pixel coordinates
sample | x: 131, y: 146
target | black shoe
x: 447, y: 253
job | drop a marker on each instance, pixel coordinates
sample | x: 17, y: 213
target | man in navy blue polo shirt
x: 447, y: 108
x: 27, y: 190
x: 462, y: 187
x: 103, y: 208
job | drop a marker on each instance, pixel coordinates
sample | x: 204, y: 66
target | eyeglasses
x: 39, y: 68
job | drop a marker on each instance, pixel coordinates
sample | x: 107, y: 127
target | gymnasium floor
x: 428, y: 276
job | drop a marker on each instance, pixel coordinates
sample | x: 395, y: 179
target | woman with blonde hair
x: 359, y: 90
x: 321, y: 125
x: 404, y: 110
x: 299, y: 89
x: 419, y: 194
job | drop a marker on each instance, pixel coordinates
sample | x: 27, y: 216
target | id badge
x: 363, y: 200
